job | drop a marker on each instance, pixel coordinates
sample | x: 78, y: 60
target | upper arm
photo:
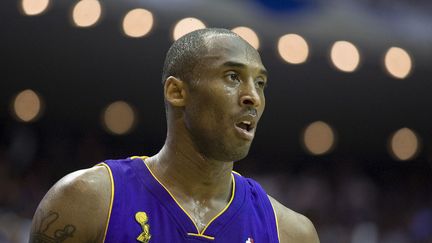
x: 75, y: 209
x: 292, y: 226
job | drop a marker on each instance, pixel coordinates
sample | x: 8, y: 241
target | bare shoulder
x: 293, y: 227
x: 75, y: 209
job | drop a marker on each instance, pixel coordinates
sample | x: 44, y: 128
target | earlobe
x: 174, y: 91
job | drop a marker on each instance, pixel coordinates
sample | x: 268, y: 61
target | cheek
x: 202, y: 113
x: 229, y: 90
x: 261, y: 108
x: 212, y: 106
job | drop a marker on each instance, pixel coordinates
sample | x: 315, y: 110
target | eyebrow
x: 242, y: 66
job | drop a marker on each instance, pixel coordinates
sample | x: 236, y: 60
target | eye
x: 233, y: 76
x: 261, y: 83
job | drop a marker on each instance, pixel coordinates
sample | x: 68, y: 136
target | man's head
x: 214, y: 87
x: 185, y: 53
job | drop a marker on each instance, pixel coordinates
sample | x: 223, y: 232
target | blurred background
x: 345, y: 138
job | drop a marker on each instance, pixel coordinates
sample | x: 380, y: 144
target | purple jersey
x: 143, y: 210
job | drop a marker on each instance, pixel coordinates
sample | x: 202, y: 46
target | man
x: 214, y: 94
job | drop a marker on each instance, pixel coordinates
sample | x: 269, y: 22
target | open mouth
x: 245, y: 125
x: 246, y: 129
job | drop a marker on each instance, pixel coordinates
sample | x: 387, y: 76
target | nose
x: 249, y: 95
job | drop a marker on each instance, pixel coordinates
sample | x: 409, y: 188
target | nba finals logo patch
x: 142, y: 219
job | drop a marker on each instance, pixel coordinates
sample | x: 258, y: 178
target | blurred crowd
x: 347, y: 202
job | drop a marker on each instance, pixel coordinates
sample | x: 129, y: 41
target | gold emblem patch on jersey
x: 142, y: 219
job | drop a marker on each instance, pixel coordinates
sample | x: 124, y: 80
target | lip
x: 243, y: 133
x: 247, y: 135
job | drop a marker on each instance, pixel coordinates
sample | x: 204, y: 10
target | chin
x: 227, y: 152
x: 234, y: 155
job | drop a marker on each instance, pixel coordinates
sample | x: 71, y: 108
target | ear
x: 174, y: 91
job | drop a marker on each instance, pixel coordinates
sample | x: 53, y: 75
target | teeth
x: 246, y: 122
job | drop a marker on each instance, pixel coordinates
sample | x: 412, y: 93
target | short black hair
x: 185, y: 53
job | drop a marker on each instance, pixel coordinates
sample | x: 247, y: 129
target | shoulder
x: 293, y: 227
x: 77, y: 206
x: 89, y: 182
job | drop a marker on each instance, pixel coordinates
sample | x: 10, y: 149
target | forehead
x: 227, y: 48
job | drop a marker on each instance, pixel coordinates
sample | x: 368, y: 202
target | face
x: 226, y: 101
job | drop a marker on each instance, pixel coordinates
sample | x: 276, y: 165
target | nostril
x: 248, y: 102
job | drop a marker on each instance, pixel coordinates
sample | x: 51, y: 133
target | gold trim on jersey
x: 226, y: 207
x: 235, y: 172
x: 111, y: 199
x: 200, y: 234
x: 276, y: 219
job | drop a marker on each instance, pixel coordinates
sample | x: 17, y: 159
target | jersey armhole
x: 111, y: 198
x: 268, y: 211
x: 276, y: 219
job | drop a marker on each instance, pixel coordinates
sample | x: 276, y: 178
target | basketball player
x: 214, y: 94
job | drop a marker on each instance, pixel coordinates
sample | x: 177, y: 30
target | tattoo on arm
x: 42, y: 225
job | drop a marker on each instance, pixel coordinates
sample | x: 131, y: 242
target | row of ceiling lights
x: 318, y: 138
x: 119, y: 118
x: 292, y: 48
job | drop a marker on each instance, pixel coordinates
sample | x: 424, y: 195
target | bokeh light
x: 293, y: 48
x: 34, y: 7
x: 248, y: 35
x: 138, y: 22
x: 187, y: 25
x: 118, y: 118
x: 27, y: 106
x: 86, y: 13
x: 404, y: 144
x: 318, y: 138
x: 398, y: 62
x: 345, y: 56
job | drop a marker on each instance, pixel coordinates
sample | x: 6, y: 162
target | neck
x: 189, y: 174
